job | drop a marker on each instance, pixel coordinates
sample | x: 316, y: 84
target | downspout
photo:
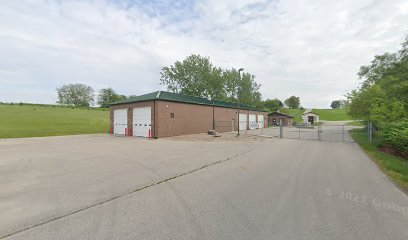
x: 213, y: 119
x: 154, y: 119
x: 154, y: 115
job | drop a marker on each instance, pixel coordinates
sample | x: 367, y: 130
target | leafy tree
x: 384, y: 91
x: 79, y: 95
x: 293, y: 102
x: 107, y: 96
x: 273, y: 104
x: 197, y: 76
x: 335, y: 104
x: 382, y: 97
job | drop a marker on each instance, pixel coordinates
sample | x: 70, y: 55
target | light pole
x: 238, y: 95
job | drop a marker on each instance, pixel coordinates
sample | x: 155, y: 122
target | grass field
x: 395, y: 167
x: 339, y: 114
x: 18, y: 121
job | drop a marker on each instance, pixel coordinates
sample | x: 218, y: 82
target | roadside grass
x: 394, y: 166
x: 31, y: 120
x: 295, y: 112
x: 339, y: 114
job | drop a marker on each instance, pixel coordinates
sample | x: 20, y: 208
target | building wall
x: 225, y: 119
x: 306, y: 116
x: 286, y: 121
x: 130, y: 107
x: 188, y: 118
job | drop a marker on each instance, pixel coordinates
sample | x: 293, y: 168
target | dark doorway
x: 310, y: 119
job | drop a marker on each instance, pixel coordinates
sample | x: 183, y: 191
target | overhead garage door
x: 142, y: 122
x: 242, y: 121
x: 252, y: 121
x: 120, y: 121
x: 261, y: 121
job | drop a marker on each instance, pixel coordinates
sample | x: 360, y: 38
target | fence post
x: 343, y: 133
x: 319, y: 132
x: 299, y: 131
x: 370, y: 132
x: 280, y: 129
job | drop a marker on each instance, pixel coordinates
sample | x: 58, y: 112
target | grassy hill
x: 324, y: 114
x: 339, y: 114
x: 295, y: 112
x: 30, y: 120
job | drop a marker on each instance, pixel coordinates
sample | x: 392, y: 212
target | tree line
x: 196, y: 76
x: 382, y: 97
x: 81, y: 95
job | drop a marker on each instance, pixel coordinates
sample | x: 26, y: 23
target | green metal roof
x: 280, y: 113
x: 176, y: 97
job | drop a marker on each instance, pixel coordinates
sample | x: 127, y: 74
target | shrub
x: 395, y: 134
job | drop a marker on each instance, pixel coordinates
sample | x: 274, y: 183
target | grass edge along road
x: 39, y: 120
x: 393, y: 166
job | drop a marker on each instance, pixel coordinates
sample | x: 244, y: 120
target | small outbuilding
x: 164, y: 114
x: 310, y: 117
x: 275, y: 118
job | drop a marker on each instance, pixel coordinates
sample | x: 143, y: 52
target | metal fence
x: 332, y: 133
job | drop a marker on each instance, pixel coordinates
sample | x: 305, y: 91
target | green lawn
x: 29, y: 120
x: 393, y: 166
x: 295, y: 112
x: 339, y: 114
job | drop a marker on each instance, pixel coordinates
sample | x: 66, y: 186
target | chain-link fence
x: 321, y: 132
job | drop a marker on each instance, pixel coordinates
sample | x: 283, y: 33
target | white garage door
x: 119, y: 121
x: 252, y: 121
x: 242, y: 121
x: 260, y: 121
x: 142, y: 122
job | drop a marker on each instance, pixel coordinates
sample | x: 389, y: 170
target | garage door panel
x: 242, y: 121
x: 120, y: 121
x: 261, y: 121
x: 252, y: 121
x: 142, y: 121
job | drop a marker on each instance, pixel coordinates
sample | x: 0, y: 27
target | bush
x: 395, y: 134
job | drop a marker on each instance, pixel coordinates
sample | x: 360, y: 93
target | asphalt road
x: 97, y: 187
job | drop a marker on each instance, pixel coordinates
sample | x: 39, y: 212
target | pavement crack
x: 126, y: 194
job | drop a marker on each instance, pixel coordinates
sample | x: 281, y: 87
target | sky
x: 312, y: 49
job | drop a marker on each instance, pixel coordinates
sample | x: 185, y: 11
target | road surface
x: 93, y: 187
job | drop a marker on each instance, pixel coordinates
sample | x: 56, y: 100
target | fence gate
x: 324, y: 132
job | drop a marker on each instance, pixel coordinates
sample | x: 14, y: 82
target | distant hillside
x: 36, y: 120
x: 339, y: 114
x: 324, y: 114
x: 295, y: 112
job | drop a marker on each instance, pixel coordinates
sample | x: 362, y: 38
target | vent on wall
x: 171, y: 115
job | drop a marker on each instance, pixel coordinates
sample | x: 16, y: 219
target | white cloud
x: 311, y: 49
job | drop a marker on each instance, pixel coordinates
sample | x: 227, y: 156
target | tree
x: 273, y: 104
x: 382, y: 97
x: 293, y: 102
x: 336, y: 104
x: 197, y: 76
x: 78, y: 95
x: 107, y: 96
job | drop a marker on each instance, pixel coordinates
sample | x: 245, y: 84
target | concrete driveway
x: 105, y: 187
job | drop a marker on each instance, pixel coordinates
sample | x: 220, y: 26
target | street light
x: 239, y: 85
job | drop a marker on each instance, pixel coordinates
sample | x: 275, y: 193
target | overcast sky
x: 308, y: 48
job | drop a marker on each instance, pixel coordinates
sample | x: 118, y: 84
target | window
x: 171, y: 115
